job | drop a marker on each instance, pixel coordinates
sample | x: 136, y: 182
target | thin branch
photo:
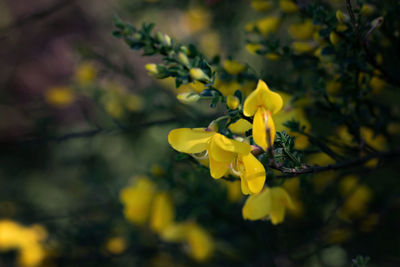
x: 91, y: 133
x: 292, y: 172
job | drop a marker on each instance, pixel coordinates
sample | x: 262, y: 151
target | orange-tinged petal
x: 217, y: 168
x: 231, y: 145
x: 262, y: 97
x: 190, y: 140
x: 254, y: 173
x: 257, y: 206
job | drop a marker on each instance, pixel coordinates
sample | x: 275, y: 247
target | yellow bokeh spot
x: 59, y: 97
x: 116, y: 245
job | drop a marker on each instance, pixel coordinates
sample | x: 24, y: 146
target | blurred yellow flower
x: 201, y: 245
x: 233, y: 67
x: 288, y: 6
x: 271, y: 203
x: 85, y: 73
x: 261, y: 104
x: 261, y: 5
x: 162, y: 212
x: 116, y: 245
x: 253, y: 48
x: 302, y: 31
x: 60, y: 97
x: 198, y: 19
x: 26, y: 240
x: 304, y: 47
x: 137, y: 200
x: 232, y: 102
x: 268, y: 25
x: 334, y: 38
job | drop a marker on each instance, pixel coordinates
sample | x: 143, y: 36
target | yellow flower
x: 251, y: 172
x: 302, y: 31
x: 367, y: 9
x: 197, y: 74
x: 232, y: 102
x: 85, y: 73
x: 188, y: 98
x: 60, y: 97
x: 303, y: 47
x: 288, y: 6
x: 268, y: 25
x: 201, y: 245
x: 334, y: 38
x: 240, y: 127
x: 253, y: 48
x: 261, y: 5
x: 24, y: 239
x: 152, y: 69
x: 233, y: 189
x: 271, y: 203
x: 221, y: 150
x: 116, y: 245
x: 272, y: 56
x: 137, y: 200
x: 233, y: 67
x: 261, y: 104
x: 162, y: 213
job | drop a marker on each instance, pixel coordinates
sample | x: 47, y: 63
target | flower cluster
x: 144, y: 205
x: 26, y: 240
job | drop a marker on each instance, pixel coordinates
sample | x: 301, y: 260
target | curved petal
x: 231, y: 145
x: 240, y: 127
x: 257, y: 206
x: 218, y: 153
x: 245, y: 188
x: 190, y: 140
x: 217, y: 168
x: 280, y: 199
x: 262, y: 97
x: 254, y: 173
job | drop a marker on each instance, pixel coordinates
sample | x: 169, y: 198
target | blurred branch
x: 288, y: 172
x: 41, y: 14
x: 364, y: 44
x: 91, y: 133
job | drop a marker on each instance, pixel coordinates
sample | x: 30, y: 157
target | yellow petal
x: 233, y: 67
x: 217, y: 168
x: 189, y: 140
x: 302, y: 31
x: 254, y: 173
x: 175, y: 232
x: 244, y: 187
x: 257, y: 206
x: 280, y: 200
x: 231, y: 145
x: 240, y: 127
x: 261, y: 123
x: 162, y: 213
x: 201, y: 245
x: 262, y: 97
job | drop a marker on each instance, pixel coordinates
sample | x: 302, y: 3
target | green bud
x: 183, y: 59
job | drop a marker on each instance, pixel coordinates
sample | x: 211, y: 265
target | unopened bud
x: 340, y: 16
x: 232, y: 102
x: 184, y: 49
x: 376, y: 23
x: 152, y: 68
x: 183, y: 59
x: 167, y: 40
x: 334, y: 38
x: 197, y: 74
x: 188, y: 98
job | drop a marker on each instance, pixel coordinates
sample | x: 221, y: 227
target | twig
x: 292, y: 172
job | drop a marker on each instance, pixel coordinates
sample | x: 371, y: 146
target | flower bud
x: 232, y: 102
x: 188, y: 98
x: 376, y: 23
x: 340, y: 16
x: 184, y: 49
x: 183, y: 59
x: 197, y: 74
x: 152, y: 68
x: 334, y: 38
x: 167, y: 40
